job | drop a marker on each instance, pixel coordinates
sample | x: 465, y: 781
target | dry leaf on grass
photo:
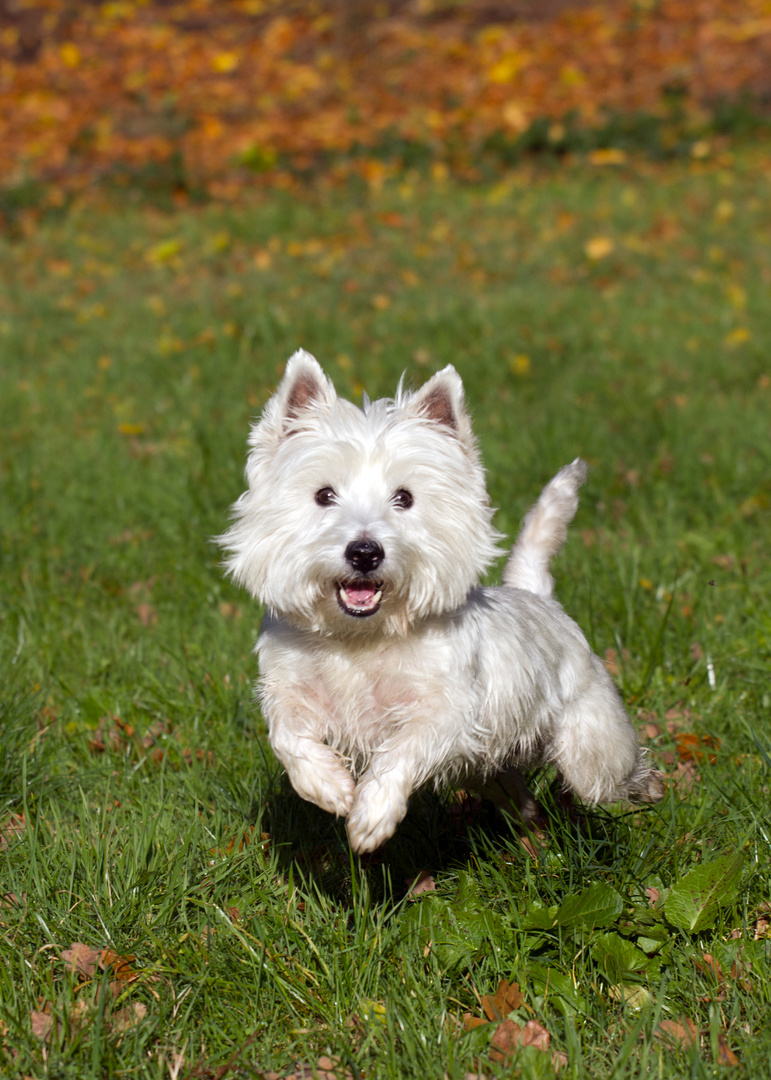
x: 82, y: 959
x: 679, y: 1034
x: 507, y: 998
x: 11, y: 829
x: 129, y: 1016
x: 708, y: 965
x: 122, y: 970
x: 42, y: 1023
x: 534, y: 840
x: 685, y: 777
x: 509, y: 1036
x: 725, y: 1054
x: 693, y: 747
x: 83, y: 69
x: 423, y: 883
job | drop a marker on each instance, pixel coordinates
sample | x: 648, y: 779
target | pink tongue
x: 359, y: 597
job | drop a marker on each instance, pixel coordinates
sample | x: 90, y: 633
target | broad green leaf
x: 636, y: 997
x: 650, y: 944
x: 456, y: 935
x: 559, y: 988
x: 538, y: 918
x: 693, y: 903
x: 618, y: 957
x: 599, y: 905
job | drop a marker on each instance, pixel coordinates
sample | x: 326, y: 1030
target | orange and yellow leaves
x: 242, y: 88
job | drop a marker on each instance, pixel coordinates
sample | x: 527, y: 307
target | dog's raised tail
x: 544, y: 531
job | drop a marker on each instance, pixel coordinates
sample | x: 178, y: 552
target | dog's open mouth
x: 361, y: 597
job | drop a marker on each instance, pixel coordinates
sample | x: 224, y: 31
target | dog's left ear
x: 442, y: 400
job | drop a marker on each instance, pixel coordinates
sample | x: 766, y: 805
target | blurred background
x: 212, y: 96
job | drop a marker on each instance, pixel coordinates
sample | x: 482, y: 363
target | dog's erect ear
x: 443, y: 401
x: 304, y: 386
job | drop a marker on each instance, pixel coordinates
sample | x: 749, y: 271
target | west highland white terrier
x: 383, y: 663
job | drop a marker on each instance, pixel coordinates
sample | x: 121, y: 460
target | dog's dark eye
x: 402, y: 499
x: 325, y: 497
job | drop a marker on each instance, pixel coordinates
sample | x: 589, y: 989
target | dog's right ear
x: 304, y: 387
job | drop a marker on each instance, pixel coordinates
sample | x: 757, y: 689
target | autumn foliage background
x: 569, y: 202
x: 219, y: 92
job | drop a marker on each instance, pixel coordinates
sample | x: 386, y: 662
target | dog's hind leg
x: 544, y: 531
x: 595, y: 749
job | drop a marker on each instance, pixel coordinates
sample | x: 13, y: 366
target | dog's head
x: 361, y: 520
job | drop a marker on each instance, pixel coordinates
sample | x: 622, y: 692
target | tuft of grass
x: 611, y: 312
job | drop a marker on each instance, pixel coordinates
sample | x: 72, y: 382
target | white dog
x: 383, y: 663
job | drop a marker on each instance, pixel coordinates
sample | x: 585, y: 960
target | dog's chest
x: 369, y: 695
x: 368, y: 689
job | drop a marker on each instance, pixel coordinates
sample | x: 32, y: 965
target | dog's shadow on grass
x: 440, y: 833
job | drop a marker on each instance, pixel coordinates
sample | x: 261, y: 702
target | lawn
x: 169, y: 908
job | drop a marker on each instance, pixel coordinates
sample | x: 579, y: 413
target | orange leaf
x: 725, y: 1054
x: 11, y: 828
x: 121, y: 966
x: 422, y: 883
x: 534, y: 1034
x: 41, y: 1023
x: 708, y: 965
x: 505, y: 1040
x: 507, y: 998
x: 129, y: 1016
x: 679, y: 1034
x: 689, y: 746
x: 82, y: 959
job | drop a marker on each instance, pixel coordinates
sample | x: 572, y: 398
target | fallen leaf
x: 505, y: 1040
x: 534, y: 840
x: 121, y: 966
x: 689, y: 746
x: 507, y: 998
x: 680, y: 1034
x: 534, y: 1034
x: 708, y: 965
x: 11, y: 829
x: 725, y: 1054
x: 148, y: 616
x: 509, y: 1035
x: 129, y: 1016
x: 41, y: 1024
x: 82, y: 959
x: 686, y: 776
x: 423, y: 883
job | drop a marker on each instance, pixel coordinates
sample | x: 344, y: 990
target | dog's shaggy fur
x: 383, y: 663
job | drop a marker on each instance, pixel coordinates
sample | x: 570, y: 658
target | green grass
x: 619, y: 315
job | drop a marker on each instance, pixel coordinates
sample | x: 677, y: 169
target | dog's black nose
x: 364, y: 555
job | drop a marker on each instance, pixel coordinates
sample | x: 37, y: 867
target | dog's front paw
x: 331, y: 788
x: 378, y: 808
